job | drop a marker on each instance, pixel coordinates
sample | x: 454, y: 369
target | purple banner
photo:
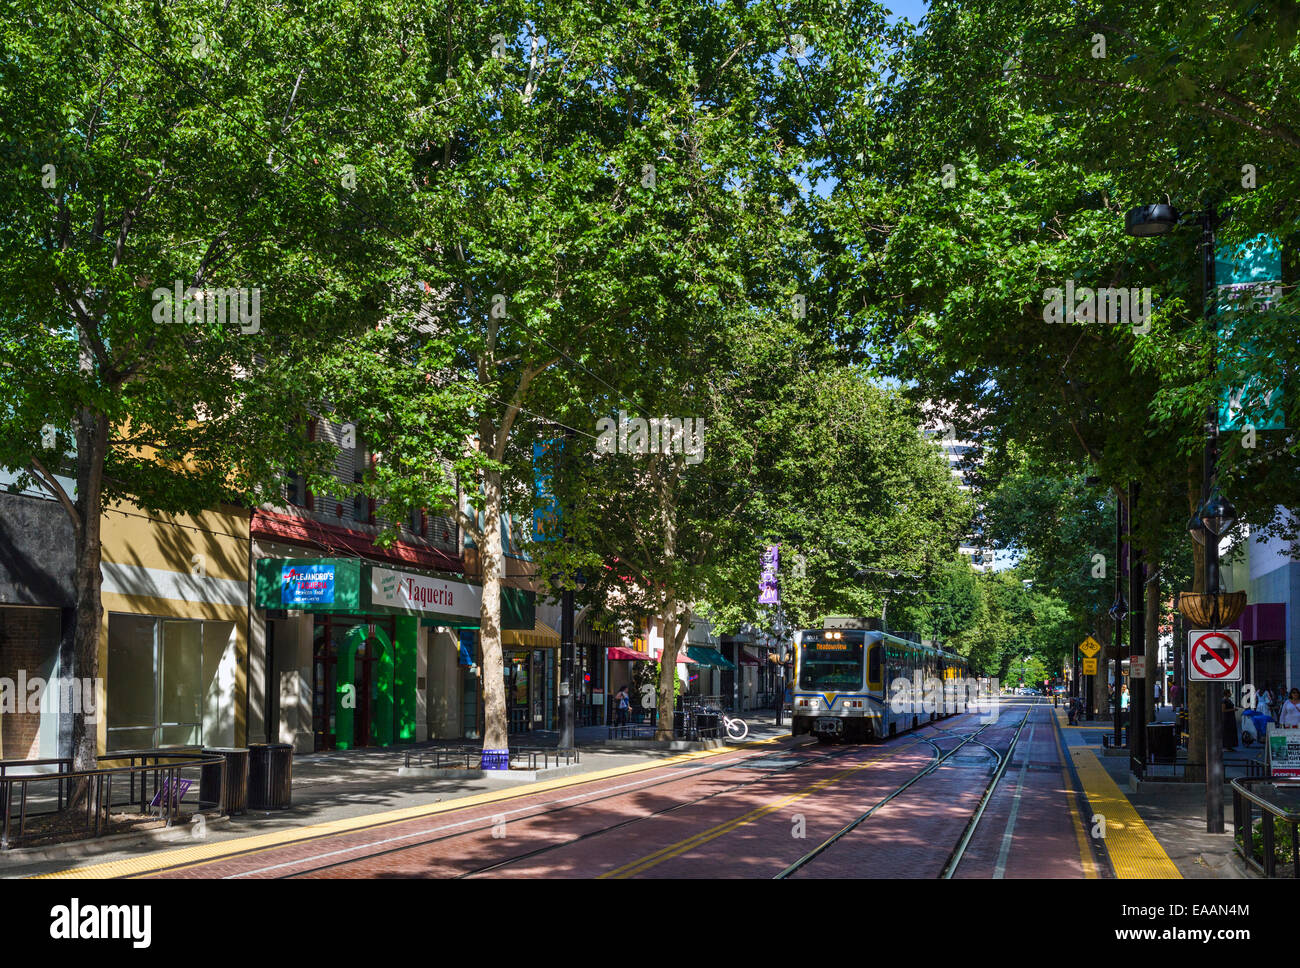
x: 767, y: 590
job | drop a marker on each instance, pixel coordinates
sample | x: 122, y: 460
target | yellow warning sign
x: 1089, y: 667
x: 1090, y: 647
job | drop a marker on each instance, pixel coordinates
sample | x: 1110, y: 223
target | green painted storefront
x: 366, y: 637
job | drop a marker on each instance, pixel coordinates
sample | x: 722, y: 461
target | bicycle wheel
x: 737, y: 729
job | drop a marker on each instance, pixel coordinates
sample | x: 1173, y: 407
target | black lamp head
x: 1147, y: 220
x: 1217, y: 514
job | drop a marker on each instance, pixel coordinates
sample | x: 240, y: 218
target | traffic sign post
x: 1089, y: 648
x: 1214, y: 655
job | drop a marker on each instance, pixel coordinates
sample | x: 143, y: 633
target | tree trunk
x: 674, y: 632
x: 92, y: 445
x: 492, y: 562
x: 1099, y: 706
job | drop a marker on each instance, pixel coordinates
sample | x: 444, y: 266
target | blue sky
x: 913, y: 10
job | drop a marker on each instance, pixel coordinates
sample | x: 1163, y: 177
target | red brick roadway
x: 745, y: 814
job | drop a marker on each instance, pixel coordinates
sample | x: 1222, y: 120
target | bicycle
x: 737, y: 728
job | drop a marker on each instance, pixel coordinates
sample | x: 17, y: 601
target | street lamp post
x: 1215, y: 515
x: 567, y: 685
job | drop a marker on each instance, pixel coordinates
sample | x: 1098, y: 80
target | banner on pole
x: 768, y: 593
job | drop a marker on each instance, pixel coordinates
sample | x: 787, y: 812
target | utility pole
x: 1118, y: 612
x: 1137, y: 733
x: 1213, y: 701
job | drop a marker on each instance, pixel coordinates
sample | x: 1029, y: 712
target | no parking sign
x: 1214, y: 655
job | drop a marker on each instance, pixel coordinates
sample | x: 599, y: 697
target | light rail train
x: 848, y: 682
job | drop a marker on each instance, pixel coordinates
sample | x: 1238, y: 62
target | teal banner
x: 1248, y: 280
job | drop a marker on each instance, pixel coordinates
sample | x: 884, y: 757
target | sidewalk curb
x: 504, y: 777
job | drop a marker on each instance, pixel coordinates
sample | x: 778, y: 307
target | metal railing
x: 1264, y: 855
x: 470, y: 757
x: 699, y: 717
x: 168, y: 789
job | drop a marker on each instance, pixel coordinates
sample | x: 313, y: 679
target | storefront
x: 622, y: 665
x: 174, y: 643
x: 382, y: 642
x: 740, y: 683
x: 591, y: 673
x: 36, y: 625
x: 702, y: 646
x: 531, y: 665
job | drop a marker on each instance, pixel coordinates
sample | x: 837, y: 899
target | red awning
x: 747, y: 658
x: 619, y: 654
x: 683, y: 657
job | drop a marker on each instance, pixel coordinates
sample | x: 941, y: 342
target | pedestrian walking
x: 622, y: 705
x: 1157, y: 695
x: 1290, y: 716
x: 1264, y: 700
x: 1229, y: 721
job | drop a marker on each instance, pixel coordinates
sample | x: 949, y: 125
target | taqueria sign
x: 352, y: 586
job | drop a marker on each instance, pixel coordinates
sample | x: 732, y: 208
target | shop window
x: 156, y: 680
x: 295, y: 489
x: 131, y: 677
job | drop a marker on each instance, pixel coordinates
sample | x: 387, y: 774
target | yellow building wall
x: 178, y: 566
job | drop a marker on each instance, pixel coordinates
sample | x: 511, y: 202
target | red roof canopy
x: 618, y: 653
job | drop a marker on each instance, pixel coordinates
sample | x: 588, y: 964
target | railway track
x: 838, y: 753
x: 940, y: 758
x: 486, y: 823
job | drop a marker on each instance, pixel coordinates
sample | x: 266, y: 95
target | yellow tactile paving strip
x: 1133, y: 849
x: 136, y: 866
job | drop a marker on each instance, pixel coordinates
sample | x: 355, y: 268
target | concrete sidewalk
x: 354, y: 783
x: 1174, y: 812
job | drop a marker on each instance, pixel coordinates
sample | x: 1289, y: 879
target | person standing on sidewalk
x: 1290, y: 717
x: 1229, y: 721
x: 622, y: 705
x: 1158, y: 696
x: 1264, y: 701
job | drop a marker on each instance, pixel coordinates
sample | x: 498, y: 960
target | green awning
x: 709, y: 657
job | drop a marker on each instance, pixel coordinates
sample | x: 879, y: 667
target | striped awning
x: 540, y: 636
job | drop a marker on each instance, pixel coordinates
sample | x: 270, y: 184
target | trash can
x: 1160, y: 741
x: 232, y: 798
x: 270, y: 775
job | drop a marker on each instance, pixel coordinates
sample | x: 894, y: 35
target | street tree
x: 189, y: 206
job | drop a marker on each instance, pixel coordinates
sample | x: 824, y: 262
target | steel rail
x: 899, y: 790
x: 1004, y: 760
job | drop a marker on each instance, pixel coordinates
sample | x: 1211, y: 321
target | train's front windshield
x: 830, y: 666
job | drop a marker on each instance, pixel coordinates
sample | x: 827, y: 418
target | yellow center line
x: 214, y: 851
x: 672, y: 850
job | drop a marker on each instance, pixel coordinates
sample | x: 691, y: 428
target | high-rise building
x: 964, y: 459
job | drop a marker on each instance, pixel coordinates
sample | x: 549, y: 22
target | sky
x: 912, y: 10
